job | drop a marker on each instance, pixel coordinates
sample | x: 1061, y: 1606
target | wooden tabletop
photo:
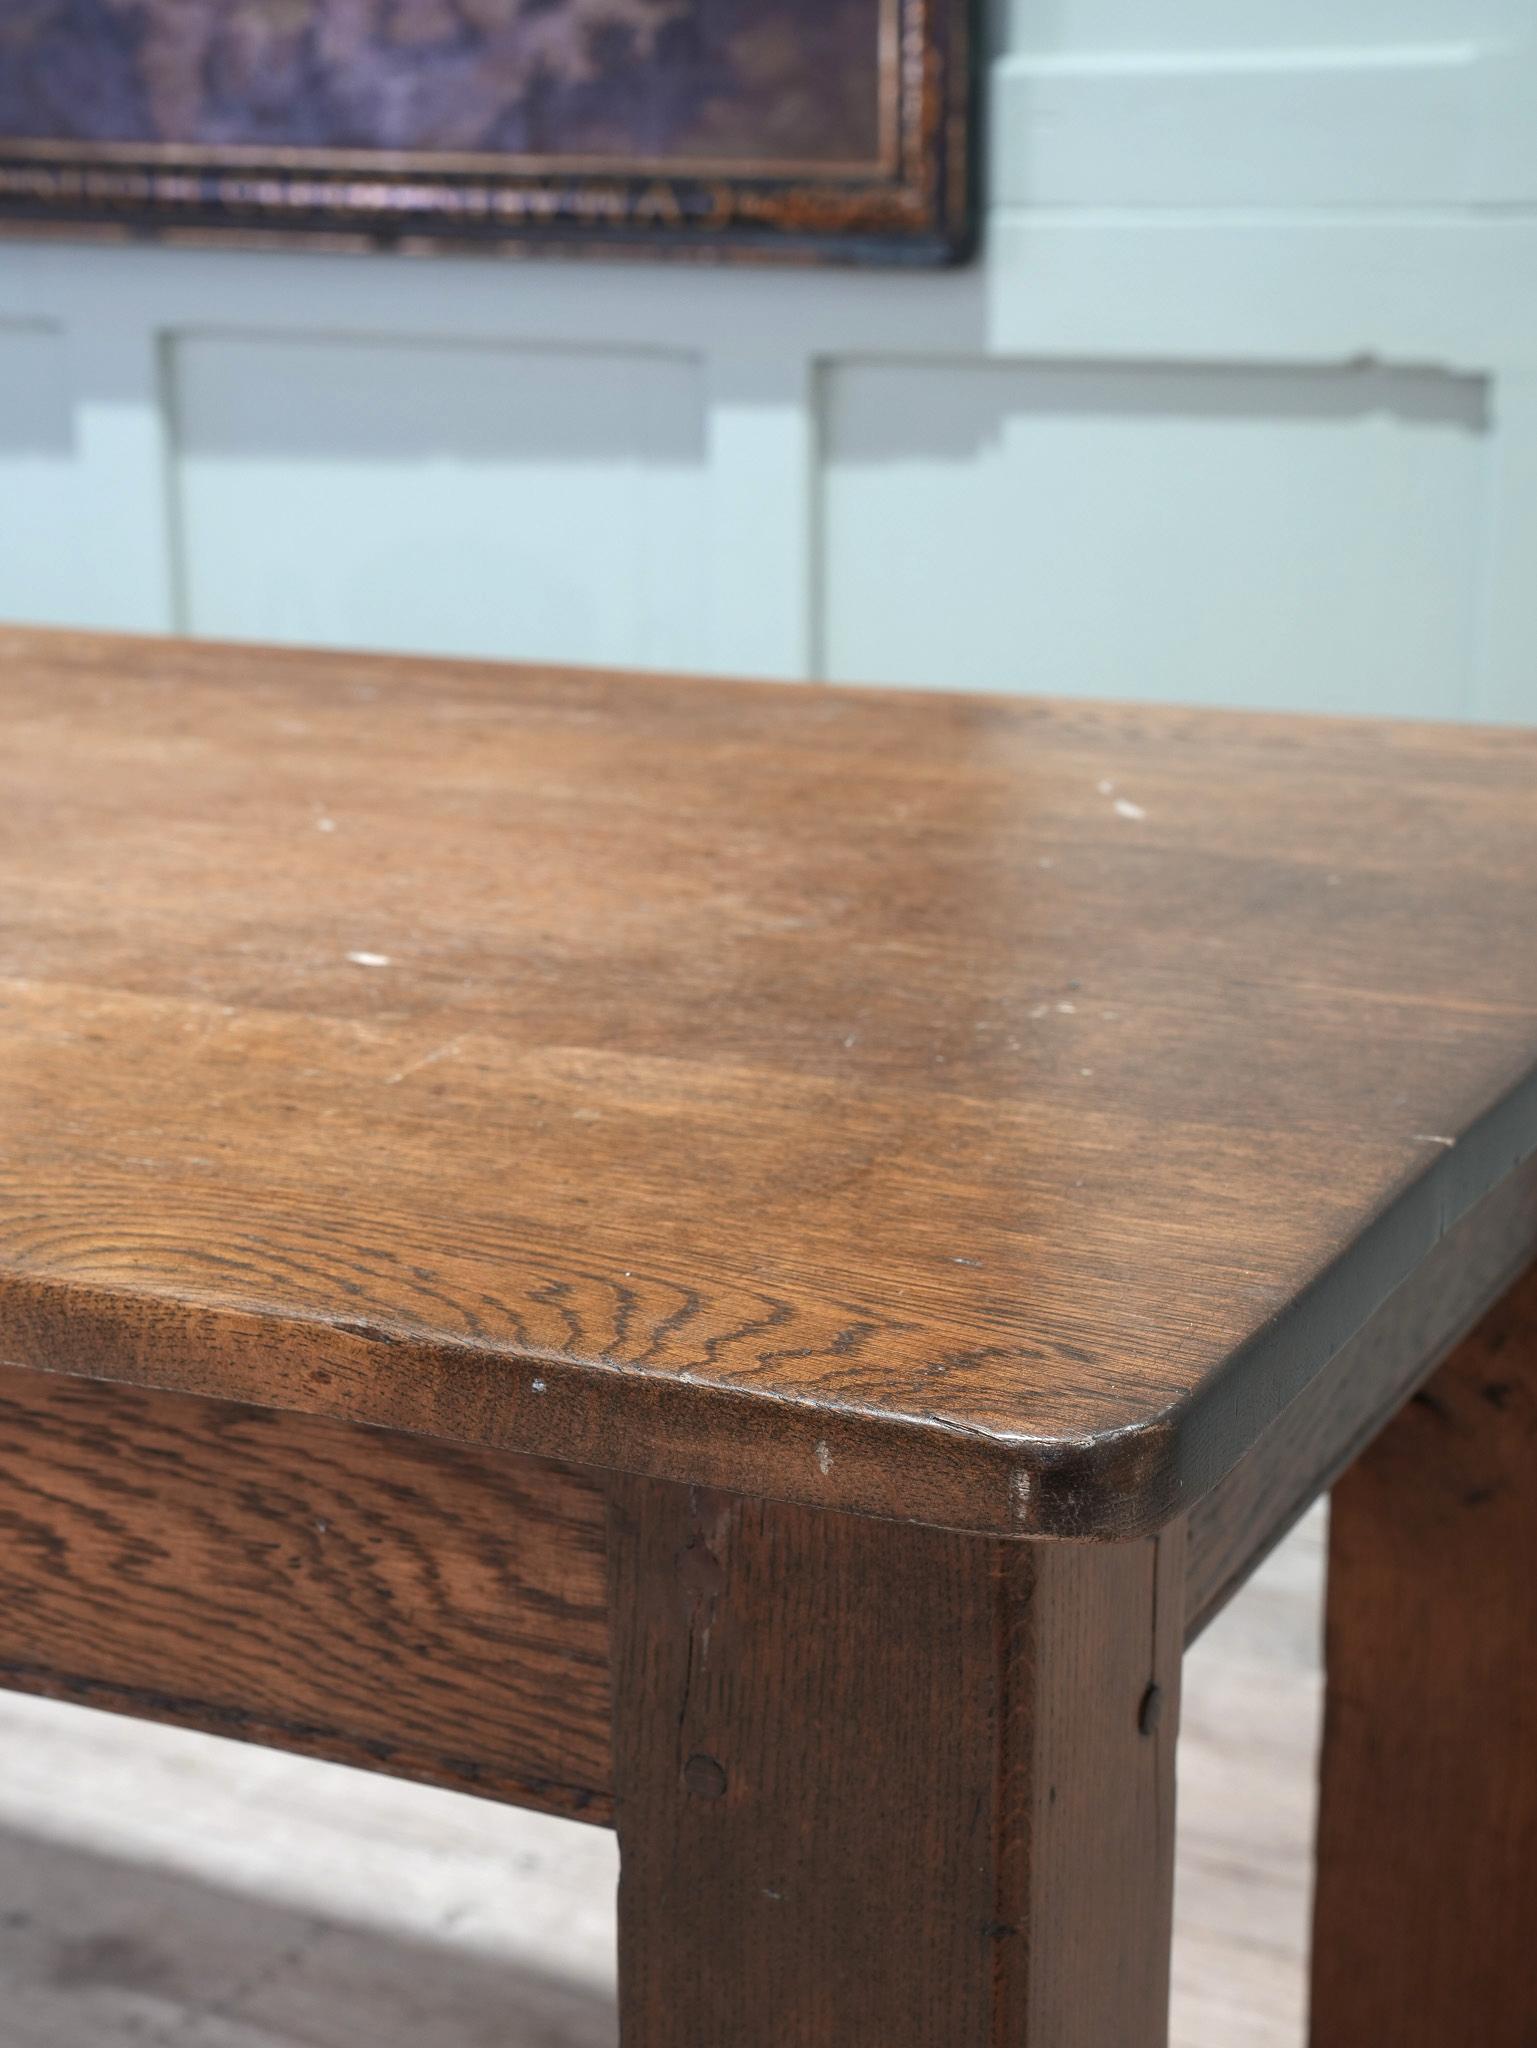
x: 969, y: 1109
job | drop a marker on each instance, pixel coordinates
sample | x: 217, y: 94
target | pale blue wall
x: 1240, y: 406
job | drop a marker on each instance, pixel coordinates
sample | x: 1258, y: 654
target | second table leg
x: 1425, y: 1928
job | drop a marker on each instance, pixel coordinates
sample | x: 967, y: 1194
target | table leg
x: 1425, y: 1927
x: 881, y: 1786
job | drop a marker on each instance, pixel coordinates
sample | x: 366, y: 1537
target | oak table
x: 749, y: 1264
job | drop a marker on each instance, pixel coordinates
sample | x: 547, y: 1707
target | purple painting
x: 754, y: 123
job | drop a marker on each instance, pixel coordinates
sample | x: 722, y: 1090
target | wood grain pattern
x: 412, y: 1607
x: 991, y: 1113
x: 890, y: 1787
x: 1311, y: 1443
x: 1427, y: 1836
x: 528, y: 1960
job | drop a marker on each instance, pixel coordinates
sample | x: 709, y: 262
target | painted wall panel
x: 1279, y: 537
x: 41, y: 574
x: 519, y: 502
x: 1201, y: 25
x: 1210, y: 224
x: 1311, y: 127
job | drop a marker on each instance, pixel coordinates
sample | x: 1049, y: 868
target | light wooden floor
x: 161, y: 1890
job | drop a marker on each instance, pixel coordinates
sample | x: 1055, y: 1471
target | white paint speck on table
x: 166, y: 1890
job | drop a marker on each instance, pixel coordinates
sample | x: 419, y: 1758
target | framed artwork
x: 760, y: 128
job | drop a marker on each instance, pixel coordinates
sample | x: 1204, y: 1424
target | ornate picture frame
x: 767, y: 129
